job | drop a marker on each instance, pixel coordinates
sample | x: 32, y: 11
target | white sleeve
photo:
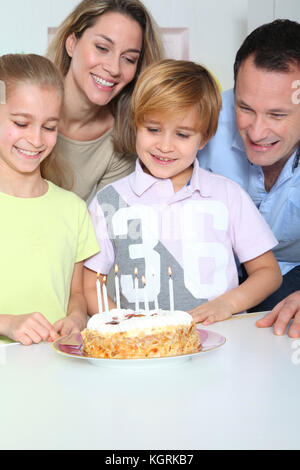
x: 250, y: 234
x: 104, y: 260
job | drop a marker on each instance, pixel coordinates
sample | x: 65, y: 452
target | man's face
x: 267, y: 119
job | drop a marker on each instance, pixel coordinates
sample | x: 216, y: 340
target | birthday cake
x: 129, y: 335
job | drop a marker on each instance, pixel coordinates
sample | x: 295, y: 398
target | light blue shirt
x: 225, y: 154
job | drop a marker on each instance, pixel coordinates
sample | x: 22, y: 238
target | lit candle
x: 117, y: 286
x: 105, y: 297
x: 136, y: 290
x: 171, y: 290
x: 145, y: 295
x: 155, y: 298
x: 99, y: 296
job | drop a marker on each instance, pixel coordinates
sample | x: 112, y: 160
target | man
x: 258, y: 145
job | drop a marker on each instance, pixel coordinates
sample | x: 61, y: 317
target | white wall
x: 24, y: 23
x: 260, y: 12
x: 289, y: 9
x: 216, y: 27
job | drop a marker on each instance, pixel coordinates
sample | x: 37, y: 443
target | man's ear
x: 70, y: 44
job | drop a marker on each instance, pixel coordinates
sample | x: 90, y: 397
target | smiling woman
x: 104, y: 59
x: 100, y: 48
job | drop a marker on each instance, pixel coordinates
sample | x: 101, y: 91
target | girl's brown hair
x: 171, y: 87
x: 84, y: 16
x: 32, y: 69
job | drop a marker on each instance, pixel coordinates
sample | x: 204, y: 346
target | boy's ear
x: 202, y: 145
x: 70, y: 44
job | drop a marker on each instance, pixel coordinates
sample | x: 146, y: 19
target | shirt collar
x: 140, y: 181
x: 237, y: 141
x: 291, y: 165
x: 287, y: 171
x: 199, y: 181
x: 296, y: 162
x: 238, y: 144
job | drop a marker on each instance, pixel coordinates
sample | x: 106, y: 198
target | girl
x: 46, y: 232
x: 170, y: 212
x: 100, y: 48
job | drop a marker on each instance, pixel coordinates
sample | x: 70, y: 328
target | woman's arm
x: 264, y: 277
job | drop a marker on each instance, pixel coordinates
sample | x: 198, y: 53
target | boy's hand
x: 72, y: 323
x: 30, y: 328
x: 212, y: 311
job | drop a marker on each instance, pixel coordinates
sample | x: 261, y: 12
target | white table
x: 244, y: 395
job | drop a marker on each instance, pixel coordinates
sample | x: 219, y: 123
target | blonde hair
x: 32, y: 69
x: 83, y: 17
x: 173, y: 86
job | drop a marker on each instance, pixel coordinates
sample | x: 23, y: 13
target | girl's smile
x: 27, y: 153
x: 28, y: 130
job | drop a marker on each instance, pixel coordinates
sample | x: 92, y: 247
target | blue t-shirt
x: 225, y: 154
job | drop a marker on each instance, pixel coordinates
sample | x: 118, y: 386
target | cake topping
x: 132, y: 315
x: 128, y: 320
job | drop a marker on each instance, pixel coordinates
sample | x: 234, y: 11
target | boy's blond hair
x: 170, y: 87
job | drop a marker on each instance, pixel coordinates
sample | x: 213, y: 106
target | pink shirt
x: 197, y: 231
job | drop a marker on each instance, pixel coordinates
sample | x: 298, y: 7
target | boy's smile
x: 163, y: 160
x: 167, y: 146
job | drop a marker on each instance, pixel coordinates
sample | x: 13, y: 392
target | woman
x: 100, y: 48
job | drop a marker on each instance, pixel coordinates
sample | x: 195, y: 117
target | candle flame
x: 104, y: 279
x: 169, y: 271
x: 98, y: 276
x: 116, y: 269
x: 136, y: 271
x: 143, y: 280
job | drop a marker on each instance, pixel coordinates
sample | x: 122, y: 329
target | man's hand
x: 282, y: 313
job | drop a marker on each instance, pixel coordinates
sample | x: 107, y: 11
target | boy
x: 169, y: 212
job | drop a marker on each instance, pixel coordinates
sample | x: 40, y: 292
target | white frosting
x: 153, y: 318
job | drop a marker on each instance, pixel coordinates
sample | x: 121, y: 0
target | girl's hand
x: 30, y: 328
x: 73, y: 323
x: 210, y: 312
